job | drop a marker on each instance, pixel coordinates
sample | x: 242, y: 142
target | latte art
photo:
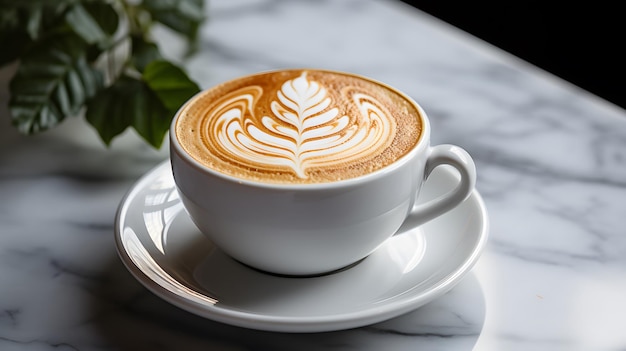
x: 298, y: 126
x: 302, y: 132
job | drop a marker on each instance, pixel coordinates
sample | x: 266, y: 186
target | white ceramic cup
x: 311, y: 229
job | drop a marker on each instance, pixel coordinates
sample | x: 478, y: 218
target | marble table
x: 552, y: 171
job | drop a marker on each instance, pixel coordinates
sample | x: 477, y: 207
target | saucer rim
x: 298, y: 324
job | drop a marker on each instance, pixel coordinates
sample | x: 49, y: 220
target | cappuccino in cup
x: 304, y: 171
x: 298, y: 126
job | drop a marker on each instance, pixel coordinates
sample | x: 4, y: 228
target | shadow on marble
x: 73, y: 149
x: 126, y: 316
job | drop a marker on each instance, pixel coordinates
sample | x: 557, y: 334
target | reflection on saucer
x: 144, y: 261
x: 406, y: 250
x: 161, y: 205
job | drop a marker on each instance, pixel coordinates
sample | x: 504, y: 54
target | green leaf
x: 33, y: 26
x: 109, y: 112
x: 147, y: 104
x: 52, y: 82
x: 129, y: 102
x: 170, y: 83
x: 152, y: 119
x: 183, y: 16
x: 104, y: 14
x: 83, y: 24
x: 143, y: 52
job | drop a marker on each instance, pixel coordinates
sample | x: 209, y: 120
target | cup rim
x: 422, y: 142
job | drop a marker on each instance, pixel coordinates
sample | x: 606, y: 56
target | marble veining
x: 551, y: 162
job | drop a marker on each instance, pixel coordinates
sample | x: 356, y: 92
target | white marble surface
x: 552, y: 170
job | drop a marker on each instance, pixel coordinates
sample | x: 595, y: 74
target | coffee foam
x: 298, y: 126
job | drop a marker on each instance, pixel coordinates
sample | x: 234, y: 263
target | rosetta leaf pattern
x: 303, y: 131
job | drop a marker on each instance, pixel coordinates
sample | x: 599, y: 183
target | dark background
x: 581, y: 42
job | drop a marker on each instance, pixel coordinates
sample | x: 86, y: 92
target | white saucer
x: 162, y: 248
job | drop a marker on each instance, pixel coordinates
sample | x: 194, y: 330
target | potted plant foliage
x: 96, y: 58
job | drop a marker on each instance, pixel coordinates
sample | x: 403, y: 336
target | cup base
x: 313, y: 275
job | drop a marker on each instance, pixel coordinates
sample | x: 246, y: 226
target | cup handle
x: 444, y: 155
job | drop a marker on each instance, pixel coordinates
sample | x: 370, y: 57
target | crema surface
x: 298, y: 126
